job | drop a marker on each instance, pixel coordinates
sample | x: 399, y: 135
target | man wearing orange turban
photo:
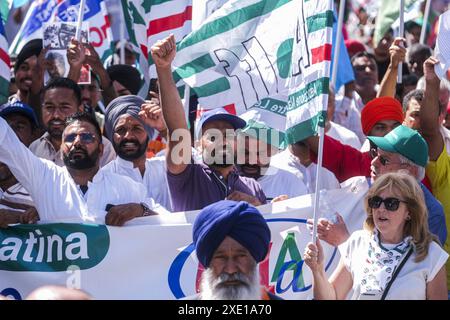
x: 380, y: 116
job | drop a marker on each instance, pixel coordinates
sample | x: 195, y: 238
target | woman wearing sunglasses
x: 394, y: 257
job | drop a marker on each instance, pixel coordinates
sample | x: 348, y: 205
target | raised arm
x: 343, y: 160
x: 178, y: 153
x: 389, y: 82
x: 429, y: 113
x: 106, y: 84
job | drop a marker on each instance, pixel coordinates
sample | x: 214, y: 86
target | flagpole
x: 425, y: 21
x: 401, y: 34
x: 337, y: 48
x: 122, y: 41
x: 337, y: 51
x: 317, y: 190
x: 80, y: 20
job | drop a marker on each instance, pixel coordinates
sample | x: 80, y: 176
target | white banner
x: 156, y: 260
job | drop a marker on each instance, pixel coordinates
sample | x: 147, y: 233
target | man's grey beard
x: 212, y: 288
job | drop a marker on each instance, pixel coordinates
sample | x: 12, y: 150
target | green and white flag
x: 249, y: 50
x: 388, y: 15
x: 148, y: 21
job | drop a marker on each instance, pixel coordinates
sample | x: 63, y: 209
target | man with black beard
x: 196, y: 185
x: 230, y: 239
x: 61, y: 98
x: 130, y: 122
x: 78, y: 192
x: 274, y: 181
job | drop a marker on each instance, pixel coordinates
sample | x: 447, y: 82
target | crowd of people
x: 100, y: 153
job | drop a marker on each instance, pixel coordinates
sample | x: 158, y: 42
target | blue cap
x: 19, y: 107
x: 218, y: 114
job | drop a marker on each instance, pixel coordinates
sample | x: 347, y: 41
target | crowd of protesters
x: 100, y: 153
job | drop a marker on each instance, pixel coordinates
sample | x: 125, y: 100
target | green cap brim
x: 382, y: 143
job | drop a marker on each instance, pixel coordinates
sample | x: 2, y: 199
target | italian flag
x: 148, y: 21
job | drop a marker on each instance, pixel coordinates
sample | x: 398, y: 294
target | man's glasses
x: 85, y: 137
x: 383, y: 160
x: 391, y: 204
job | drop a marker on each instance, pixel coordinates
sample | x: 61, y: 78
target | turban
x: 383, y: 108
x: 126, y: 75
x: 31, y: 48
x: 354, y: 46
x: 124, y: 105
x: 238, y: 220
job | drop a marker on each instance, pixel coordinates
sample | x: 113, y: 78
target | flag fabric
x: 46, y: 11
x: 148, y: 21
x: 5, y: 73
x: 5, y: 6
x: 244, y: 52
x: 39, y: 13
x: 19, y: 3
x: 96, y: 15
x: 442, y: 49
x: 345, y: 72
x: 388, y: 13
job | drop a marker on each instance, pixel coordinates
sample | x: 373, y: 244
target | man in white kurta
x: 130, y: 123
x: 56, y: 195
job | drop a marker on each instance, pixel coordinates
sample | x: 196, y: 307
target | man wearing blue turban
x: 231, y: 238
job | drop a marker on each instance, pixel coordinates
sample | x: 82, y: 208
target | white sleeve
x: 28, y: 169
x: 438, y: 259
x: 159, y: 209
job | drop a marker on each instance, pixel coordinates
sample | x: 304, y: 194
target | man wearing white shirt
x: 274, y: 181
x: 337, y: 131
x: 77, y: 192
x: 296, y: 160
x: 61, y: 98
x: 130, y: 136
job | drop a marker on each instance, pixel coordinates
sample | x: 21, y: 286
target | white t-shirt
x: 343, y: 135
x: 56, y: 196
x: 412, y: 279
x: 278, y: 181
x: 154, y: 179
x: 287, y: 161
x: 348, y: 114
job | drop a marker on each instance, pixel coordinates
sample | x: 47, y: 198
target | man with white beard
x: 231, y: 238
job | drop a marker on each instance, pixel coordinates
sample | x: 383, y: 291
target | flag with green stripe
x: 148, y: 21
x: 387, y: 15
x: 249, y: 50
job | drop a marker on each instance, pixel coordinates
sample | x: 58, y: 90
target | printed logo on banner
x: 53, y: 247
x: 287, y: 274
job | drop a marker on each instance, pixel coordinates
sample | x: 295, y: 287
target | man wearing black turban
x: 231, y: 238
x: 126, y: 79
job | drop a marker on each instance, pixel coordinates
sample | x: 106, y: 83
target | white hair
x: 212, y: 288
x: 420, y: 175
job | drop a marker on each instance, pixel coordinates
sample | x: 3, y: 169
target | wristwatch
x: 146, y: 211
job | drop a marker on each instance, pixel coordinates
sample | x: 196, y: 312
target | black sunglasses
x: 85, y: 137
x: 391, y: 204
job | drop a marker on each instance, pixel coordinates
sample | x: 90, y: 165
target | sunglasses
x: 85, y: 137
x: 383, y: 160
x: 391, y: 204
